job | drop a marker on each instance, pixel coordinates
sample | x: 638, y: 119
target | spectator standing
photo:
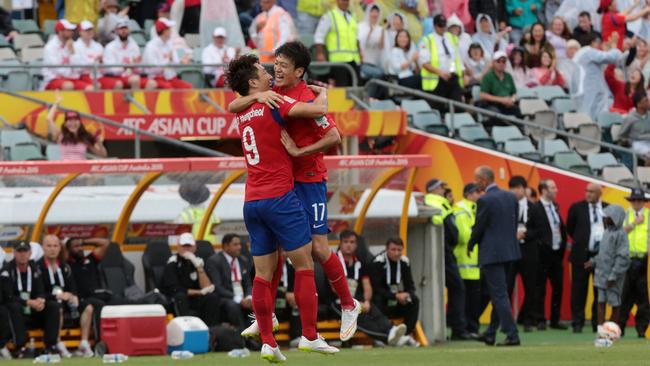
x: 487, y: 36
x: 547, y: 73
x: 521, y: 15
x: 28, y: 303
x: 528, y: 265
x: 270, y: 29
x: 441, y: 66
x: 476, y: 65
x: 593, y: 93
x: 59, y: 50
x: 160, y: 52
x: 495, y: 9
x: 641, y: 60
x: 404, y: 61
x: 550, y: 9
x: 636, y: 127
x: 624, y: 90
x: 393, y: 286
x: 522, y: 76
x: 498, y: 89
x: 87, y: 51
x: 187, y: 281
x: 233, y: 281
x: 584, y: 28
x: 394, y: 23
x: 568, y: 68
x: 371, y: 44
x: 614, y: 21
x: 495, y: 234
x: 5, y: 296
x: 191, y: 13
x: 337, y: 30
x: 585, y: 227
x: 413, y: 11
x: 459, y: 37
x: 558, y: 35
x: 59, y: 286
x: 73, y: 138
x: 6, y: 28
x: 196, y: 193
x: 217, y: 53
x: 536, y: 44
x: 611, y: 264
x: 123, y: 50
x: 546, y: 225
x: 111, y: 15
x: 635, y: 290
x: 221, y: 14
x: 309, y: 13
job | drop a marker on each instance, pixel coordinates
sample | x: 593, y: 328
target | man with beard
x: 123, y: 50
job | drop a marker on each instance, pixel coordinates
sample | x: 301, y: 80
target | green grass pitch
x: 543, y: 348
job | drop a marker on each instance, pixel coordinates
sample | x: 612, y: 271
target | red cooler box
x: 135, y: 330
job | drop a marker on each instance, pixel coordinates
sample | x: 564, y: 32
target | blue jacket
x: 495, y: 230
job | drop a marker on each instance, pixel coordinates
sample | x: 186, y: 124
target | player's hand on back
x: 270, y: 98
x: 289, y: 144
x: 321, y: 94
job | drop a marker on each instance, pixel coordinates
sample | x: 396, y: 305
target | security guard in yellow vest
x: 465, y: 216
x: 440, y: 62
x: 635, y: 290
x: 337, y: 30
x: 196, y: 194
x: 455, y: 288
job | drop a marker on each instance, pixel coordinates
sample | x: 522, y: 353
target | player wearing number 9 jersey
x: 272, y: 213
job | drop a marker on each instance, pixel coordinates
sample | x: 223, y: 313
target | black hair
x: 395, y: 240
x: 638, y: 97
x: 533, y: 192
x: 347, y: 234
x: 532, y: 39
x: 584, y: 14
x: 408, y: 35
x: 475, y: 46
x: 228, y: 238
x: 240, y: 71
x: 543, y: 185
x: 591, y: 37
x: 517, y: 181
x: 297, y: 52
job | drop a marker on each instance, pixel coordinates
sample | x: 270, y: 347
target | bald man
x: 585, y: 227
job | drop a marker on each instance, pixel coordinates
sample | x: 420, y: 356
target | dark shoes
x: 528, y: 328
x: 487, y: 339
x: 465, y: 336
x: 559, y: 326
x: 541, y: 326
x: 577, y: 329
x: 509, y: 343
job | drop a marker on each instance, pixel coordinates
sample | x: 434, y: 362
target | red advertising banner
x: 200, y: 125
x: 158, y: 229
x: 79, y: 231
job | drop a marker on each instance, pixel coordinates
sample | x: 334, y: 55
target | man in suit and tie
x: 584, y: 225
x: 495, y: 232
x: 232, y: 280
x: 546, y: 227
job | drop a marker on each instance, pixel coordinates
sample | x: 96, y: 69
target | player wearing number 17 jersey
x: 272, y: 213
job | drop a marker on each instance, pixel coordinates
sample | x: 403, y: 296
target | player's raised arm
x: 270, y: 98
x: 308, y: 110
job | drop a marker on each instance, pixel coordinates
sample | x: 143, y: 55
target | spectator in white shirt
x: 160, y: 52
x: 123, y: 51
x: 59, y: 50
x: 371, y: 43
x: 404, y: 61
x: 87, y: 51
x: 217, y: 53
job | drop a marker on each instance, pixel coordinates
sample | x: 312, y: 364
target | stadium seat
x: 48, y: 28
x: 4, y: 43
x: 307, y: 39
x: 472, y: 133
x: 118, y: 271
x: 193, y: 76
x: 573, y: 120
x: 543, y: 118
x: 382, y: 105
x: 606, y: 119
x: 204, y: 249
x: 598, y: 161
x: 591, y: 131
x: 561, y: 106
x: 26, y: 151
x: 148, y: 24
x: 476, y: 92
x: 7, y: 54
x: 414, y: 106
x: 27, y: 55
x: 18, y: 80
x: 53, y: 152
x: 615, y: 131
x: 571, y: 160
x: 197, y: 55
x: 134, y: 27
x: 140, y: 39
x: 643, y: 173
x: 619, y: 174
x: 423, y: 119
x: 529, y: 107
x: 193, y: 40
x: 460, y: 120
x: 10, y: 138
x: 441, y: 130
x: 549, y: 93
x: 549, y: 147
x: 501, y: 134
x: 28, y: 40
x: 25, y: 26
x: 526, y: 93
x: 522, y: 147
x: 155, y: 257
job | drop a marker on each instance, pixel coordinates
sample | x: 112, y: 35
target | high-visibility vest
x: 430, y: 79
x: 341, y: 40
x: 270, y: 33
x: 194, y: 215
x: 465, y: 215
x: 314, y: 8
x: 440, y: 203
x: 459, y: 65
x: 638, y: 237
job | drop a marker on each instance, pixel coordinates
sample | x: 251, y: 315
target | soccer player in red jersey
x: 306, y: 140
x: 272, y: 212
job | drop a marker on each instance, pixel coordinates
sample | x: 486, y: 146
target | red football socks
x: 263, y: 308
x: 307, y: 301
x: 275, y: 281
x: 334, y: 272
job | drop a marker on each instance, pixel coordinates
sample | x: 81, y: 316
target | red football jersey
x: 304, y: 132
x: 270, y: 172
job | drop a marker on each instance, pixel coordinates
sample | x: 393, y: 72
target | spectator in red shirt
x: 615, y: 22
x: 547, y: 73
x: 623, y: 91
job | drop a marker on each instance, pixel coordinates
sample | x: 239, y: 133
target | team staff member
x: 306, y: 140
x: 160, y: 51
x: 60, y: 50
x: 5, y: 296
x: 187, y: 282
x: 28, y: 303
x: 87, y: 51
x: 123, y: 50
x: 270, y: 29
x: 635, y: 290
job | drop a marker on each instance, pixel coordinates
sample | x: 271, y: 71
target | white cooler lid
x: 133, y: 311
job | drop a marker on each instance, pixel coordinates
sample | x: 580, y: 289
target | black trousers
x: 527, y: 268
x: 48, y: 319
x: 502, y: 109
x: 190, y: 22
x: 635, y: 291
x: 496, y: 278
x: 206, y: 307
x: 579, y: 292
x: 5, y: 327
x: 551, y: 269
x: 409, y: 312
x: 232, y: 313
x: 474, y: 304
x: 449, y: 89
x: 373, y: 322
x: 455, y: 298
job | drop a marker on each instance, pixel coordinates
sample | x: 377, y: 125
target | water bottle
x: 47, y: 358
x: 239, y: 353
x: 114, y: 358
x: 603, y: 343
x: 32, y: 346
x: 182, y: 355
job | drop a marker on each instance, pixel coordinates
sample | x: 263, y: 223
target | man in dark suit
x: 545, y: 225
x: 585, y: 227
x: 232, y: 281
x: 495, y: 232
